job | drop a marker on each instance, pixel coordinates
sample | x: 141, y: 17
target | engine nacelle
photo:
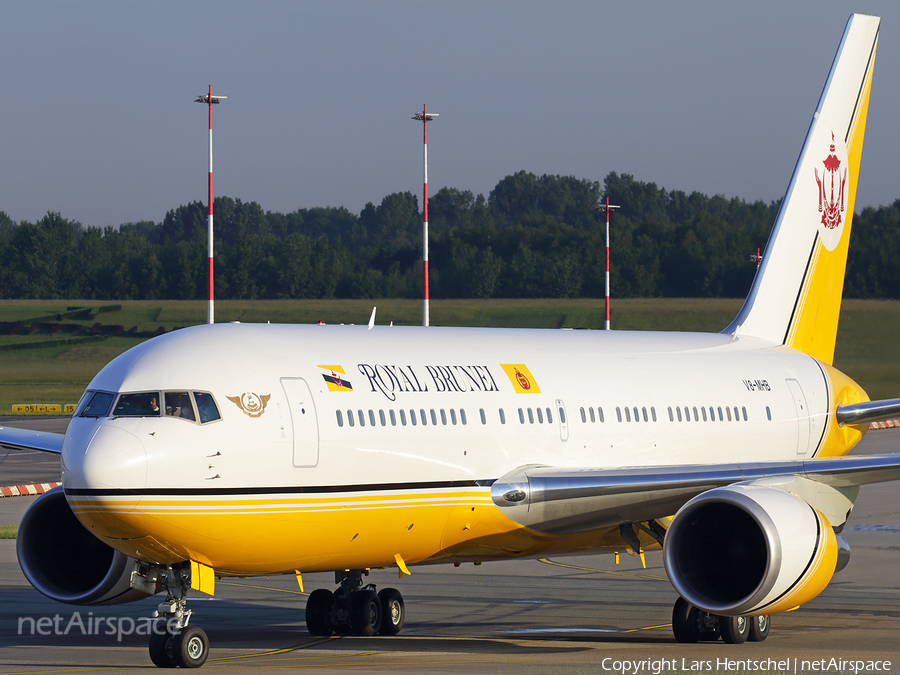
x: 745, y: 550
x: 65, y: 562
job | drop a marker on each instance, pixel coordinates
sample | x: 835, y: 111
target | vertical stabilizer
x: 795, y: 298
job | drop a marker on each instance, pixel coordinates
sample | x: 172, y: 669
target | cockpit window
x: 94, y: 404
x: 145, y: 404
x: 206, y: 407
x: 178, y: 404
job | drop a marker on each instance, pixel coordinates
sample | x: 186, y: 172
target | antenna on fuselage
x: 372, y: 318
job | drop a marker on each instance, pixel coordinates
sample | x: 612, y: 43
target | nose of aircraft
x: 104, y: 457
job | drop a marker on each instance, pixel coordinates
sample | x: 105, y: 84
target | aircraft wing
x: 26, y: 439
x: 566, y: 500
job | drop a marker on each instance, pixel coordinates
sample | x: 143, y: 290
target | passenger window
x: 521, y: 416
x: 412, y: 417
x: 549, y: 417
x: 728, y: 413
x: 371, y: 417
x: 583, y: 416
x: 636, y: 417
x: 653, y: 413
x: 644, y: 412
x: 600, y: 412
x: 712, y: 414
x: 362, y: 418
x: 627, y: 414
x: 671, y: 417
x: 678, y: 411
x: 443, y: 417
x: 381, y: 418
x: 423, y: 417
x: 591, y: 411
x: 540, y: 416
x: 137, y: 405
x: 687, y: 414
x: 502, y: 416
x: 462, y: 416
x: 530, y: 416
x: 744, y: 410
x: 703, y: 410
x: 350, y: 417
x: 618, y: 413
x: 99, y: 404
x: 483, y: 416
x: 737, y: 418
x: 562, y: 416
x: 721, y: 418
x: 206, y: 407
x: 340, y: 418
x: 402, y: 417
x: 768, y: 414
x: 696, y: 416
x: 434, y: 418
x: 393, y: 418
x: 452, y: 416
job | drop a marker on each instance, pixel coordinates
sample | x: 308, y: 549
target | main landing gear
x: 694, y: 625
x: 354, y: 609
x: 173, y: 642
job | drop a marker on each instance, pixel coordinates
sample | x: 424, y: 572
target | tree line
x: 533, y: 236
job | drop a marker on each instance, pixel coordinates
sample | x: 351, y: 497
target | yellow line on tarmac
x: 295, y: 648
x: 547, y: 561
x: 265, y: 588
x: 635, y: 630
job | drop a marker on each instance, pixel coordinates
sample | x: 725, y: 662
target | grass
x: 864, y: 350
x: 8, y: 531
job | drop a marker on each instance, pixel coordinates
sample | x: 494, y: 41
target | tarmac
x: 564, y: 615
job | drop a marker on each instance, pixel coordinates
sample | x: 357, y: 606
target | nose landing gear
x: 173, y: 642
x: 354, y: 608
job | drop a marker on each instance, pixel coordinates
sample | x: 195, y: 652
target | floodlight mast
x: 210, y: 100
x: 425, y: 117
x: 607, y: 207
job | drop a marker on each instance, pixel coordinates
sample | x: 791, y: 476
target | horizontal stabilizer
x: 26, y: 439
x: 868, y: 412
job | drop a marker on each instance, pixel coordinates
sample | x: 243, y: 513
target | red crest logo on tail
x: 832, y: 187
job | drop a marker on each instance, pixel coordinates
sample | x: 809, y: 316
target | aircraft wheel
x: 684, y: 621
x: 191, y: 647
x: 735, y: 629
x: 318, y: 612
x: 161, y: 648
x: 393, y: 611
x: 759, y: 627
x: 365, y: 613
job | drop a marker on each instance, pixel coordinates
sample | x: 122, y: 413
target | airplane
x: 248, y: 449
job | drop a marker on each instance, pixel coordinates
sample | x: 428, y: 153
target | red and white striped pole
x: 209, y: 99
x: 425, y: 117
x: 607, y: 208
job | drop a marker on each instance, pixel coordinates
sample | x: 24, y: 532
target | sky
x: 98, y: 119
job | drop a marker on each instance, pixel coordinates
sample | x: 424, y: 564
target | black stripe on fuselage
x: 287, y: 489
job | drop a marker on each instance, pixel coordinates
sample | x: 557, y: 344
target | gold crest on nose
x: 251, y: 404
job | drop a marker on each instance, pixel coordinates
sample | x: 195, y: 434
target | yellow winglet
x: 402, y: 565
x: 203, y: 578
x: 299, y: 579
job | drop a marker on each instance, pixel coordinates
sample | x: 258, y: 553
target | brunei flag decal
x: 335, y: 379
x: 522, y: 379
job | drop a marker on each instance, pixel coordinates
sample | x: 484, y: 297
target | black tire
x: 759, y: 627
x: 191, y: 647
x: 734, y: 629
x: 365, y: 613
x: 319, y: 607
x: 161, y: 649
x: 684, y: 621
x: 393, y: 612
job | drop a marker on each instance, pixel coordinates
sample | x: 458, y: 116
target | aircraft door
x: 305, y: 426
x: 803, y: 418
x: 563, y: 422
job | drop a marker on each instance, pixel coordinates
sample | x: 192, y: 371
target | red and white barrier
x: 23, y: 490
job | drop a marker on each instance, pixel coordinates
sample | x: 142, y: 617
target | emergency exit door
x: 305, y: 427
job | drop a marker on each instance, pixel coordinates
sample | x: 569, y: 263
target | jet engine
x: 747, y: 550
x: 65, y: 562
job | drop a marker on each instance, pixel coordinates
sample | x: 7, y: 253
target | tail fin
x: 795, y: 298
